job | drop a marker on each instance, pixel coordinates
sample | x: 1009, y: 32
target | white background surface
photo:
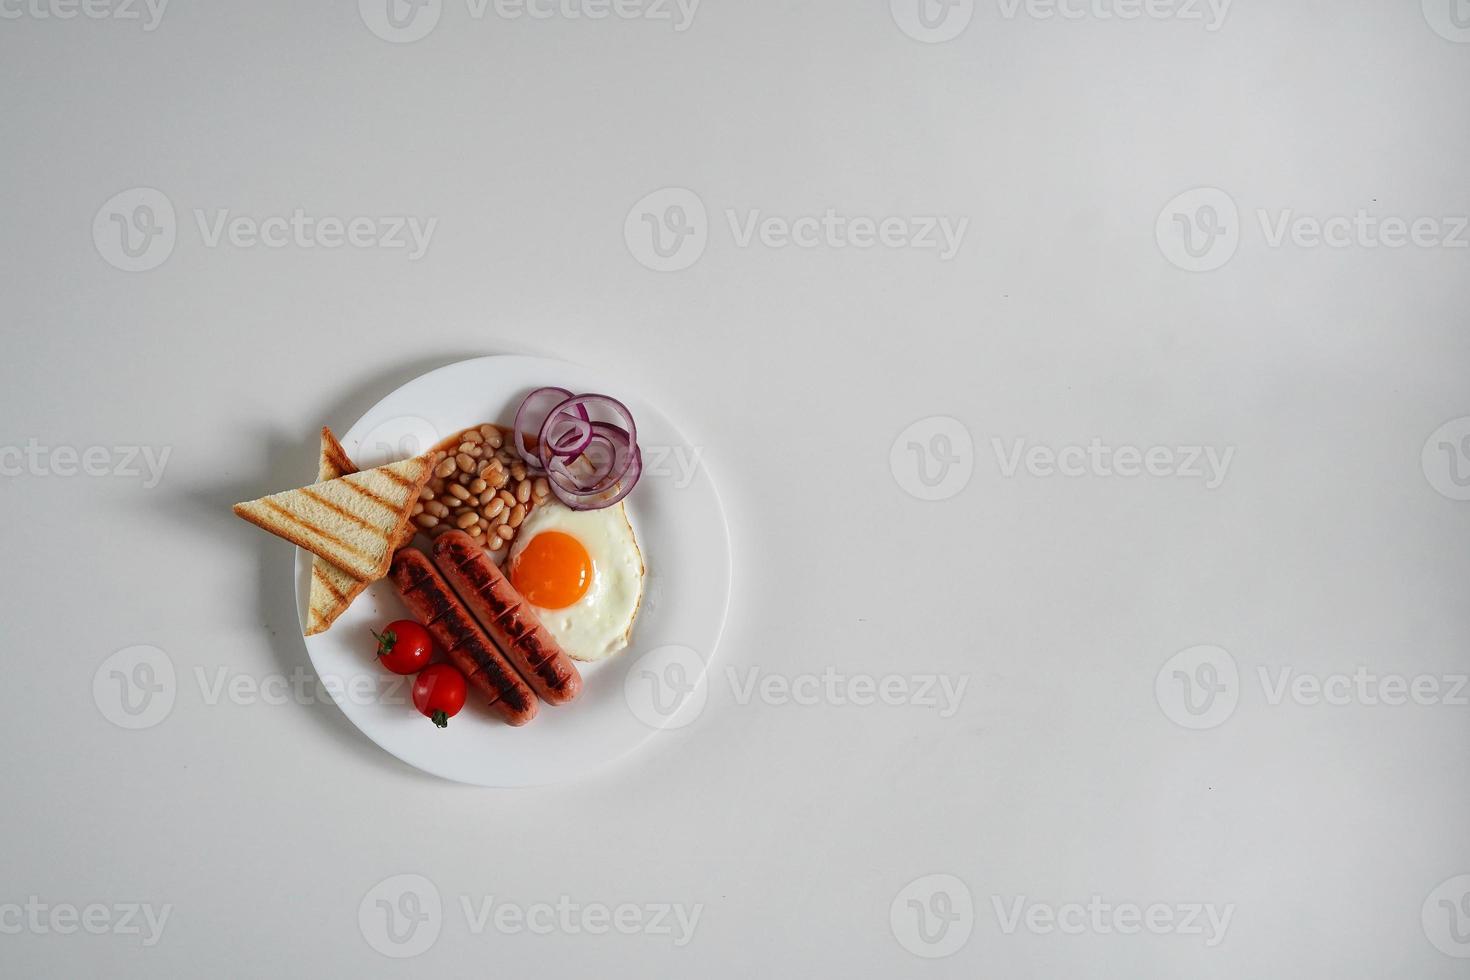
x: 1061, y: 320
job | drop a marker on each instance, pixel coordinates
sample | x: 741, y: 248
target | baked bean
x: 477, y: 486
x: 493, y: 438
x: 417, y: 510
x: 426, y: 493
x: 495, y: 542
x: 427, y: 521
x: 466, y: 462
x: 518, y: 470
x: 541, y: 488
x: 509, y: 498
x: 517, y: 514
x: 459, y: 491
x: 505, y: 533
x: 494, y: 508
x: 465, y: 520
x: 487, y: 495
x: 446, y: 469
x: 437, y: 509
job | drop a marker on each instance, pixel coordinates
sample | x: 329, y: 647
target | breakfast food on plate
x: 480, y: 486
x: 582, y: 573
x: 590, y: 463
x: 439, y: 693
x: 332, y: 589
x: 355, y: 521
x: 506, y: 616
x: 434, y: 603
x: 404, y: 647
x: 543, y: 496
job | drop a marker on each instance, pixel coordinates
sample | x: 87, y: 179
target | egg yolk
x: 553, y: 571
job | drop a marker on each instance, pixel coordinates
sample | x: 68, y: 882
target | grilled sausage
x: 508, y: 618
x: 434, y: 604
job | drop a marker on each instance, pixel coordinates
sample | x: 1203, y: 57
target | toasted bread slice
x: 332, y: 589
x: 355, y: 521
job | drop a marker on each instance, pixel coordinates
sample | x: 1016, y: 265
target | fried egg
x: 583, y: 573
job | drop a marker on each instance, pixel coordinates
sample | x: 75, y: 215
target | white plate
x: 658, y: 682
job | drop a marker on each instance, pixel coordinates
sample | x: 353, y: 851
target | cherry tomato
x: 404, y: 647
x: 438, y: 692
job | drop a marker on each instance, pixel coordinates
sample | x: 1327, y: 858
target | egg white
x: 600, y: 623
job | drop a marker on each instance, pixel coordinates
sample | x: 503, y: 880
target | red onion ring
x: 582, y: 500
x: 536, y: 410
x: 590, y: 464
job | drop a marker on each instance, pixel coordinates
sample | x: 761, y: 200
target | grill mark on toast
x: 311, y: 529
x: 339, y: 509
x: 320, y: 577
x: 376, y: 498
